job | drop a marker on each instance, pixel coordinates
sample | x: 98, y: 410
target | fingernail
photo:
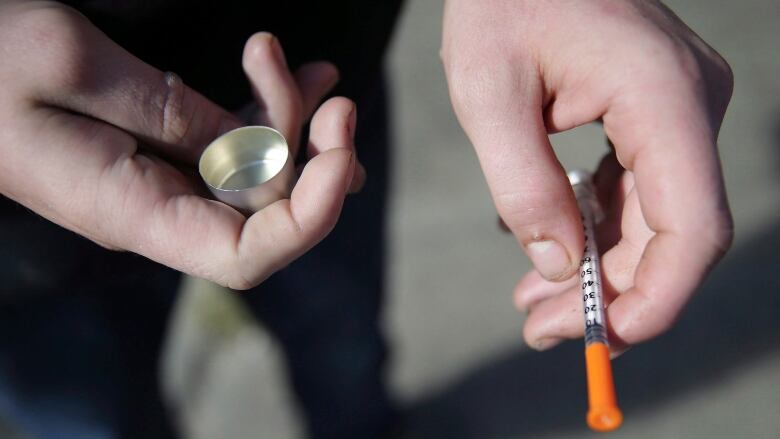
x: 352, y: 121
x: 544, y: 344
x: 550, y: 259
x: 334, y: 79
x: 618, y: 352
x: 350, y: 172
x: 358, y: 178
x: 276, y: 46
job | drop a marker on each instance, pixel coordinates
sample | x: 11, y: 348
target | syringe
x: 603, y: 412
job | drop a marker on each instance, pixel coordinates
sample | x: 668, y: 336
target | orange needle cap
x: 603, y: 413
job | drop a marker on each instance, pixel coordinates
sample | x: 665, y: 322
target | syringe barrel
x: 590, y: 267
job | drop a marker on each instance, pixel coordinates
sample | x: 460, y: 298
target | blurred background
x: 459, y: 365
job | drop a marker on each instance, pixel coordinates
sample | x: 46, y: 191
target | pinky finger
x: 285, y: 230
x: 533, y: 288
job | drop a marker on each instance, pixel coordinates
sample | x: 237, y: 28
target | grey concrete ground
x: 459, y: 363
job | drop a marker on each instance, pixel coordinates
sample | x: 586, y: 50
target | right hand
x: 74, y: 108
x: 520, y: 70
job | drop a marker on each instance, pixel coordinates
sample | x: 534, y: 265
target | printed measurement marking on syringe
x: 595, y: 330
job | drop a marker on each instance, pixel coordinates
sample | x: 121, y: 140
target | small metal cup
x: 248, y: 168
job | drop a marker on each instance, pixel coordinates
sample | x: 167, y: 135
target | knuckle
x: 719, y: 236
x: 724, y: 68
x: 660, y: 324
x: 477, y: 71
x: 172, y: 117
x: 529, y: 335
x: 695, y: 68
x: 646, y: 320
x: 674, y: 62
x: 472, y: 84
x: 724, y: 80
x: 530, y: 212
x: 46, y: 24
x: 327, y: 226
x: 681, y: 62
x: 712, y: 236
x: 238, y: 282
x: 55, y: 33
x: 113, y: 202
x: 241, y: 275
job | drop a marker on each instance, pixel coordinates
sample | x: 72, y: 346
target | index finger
x: 666, y: 135
x: 83, y: 71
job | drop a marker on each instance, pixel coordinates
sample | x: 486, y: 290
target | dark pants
x: 81, y: 326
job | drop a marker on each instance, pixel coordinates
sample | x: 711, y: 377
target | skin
x: 520, y: 70
x: 113, y: 143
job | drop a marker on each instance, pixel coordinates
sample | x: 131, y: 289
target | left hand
x: 92, y: 138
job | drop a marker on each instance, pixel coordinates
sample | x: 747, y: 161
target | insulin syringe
x: 603, y: 412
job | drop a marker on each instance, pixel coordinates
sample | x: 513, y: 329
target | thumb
x: 502, y: 117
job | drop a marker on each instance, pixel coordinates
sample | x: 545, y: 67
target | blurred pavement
x: 459, y: 363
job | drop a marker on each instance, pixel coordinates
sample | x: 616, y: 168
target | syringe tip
x: 578, y: 176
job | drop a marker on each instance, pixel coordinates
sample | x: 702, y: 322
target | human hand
x: 92, y: 139
x: 519, y: 70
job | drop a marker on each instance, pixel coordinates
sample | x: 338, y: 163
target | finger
x: 551, y: 316
x: 533, y: 288
x: 283, y: 231
x: 286, y: 229
x: 358, y: 179
x: 560, y: 318
x: 618, y: 267
x: 617, y: 185
x: 208, y: 239
x: 667, y: 139
x: 619, y: 263
x: 613, y: 185
x: 502, y: 116
x: 117, y: 196
x: 607, y: 178
x: 555, y: 319
x: 333, y: 126
x: 87, y: 73
x: 315, y: 80
x: 273, y: 86
x: 84, y: 171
